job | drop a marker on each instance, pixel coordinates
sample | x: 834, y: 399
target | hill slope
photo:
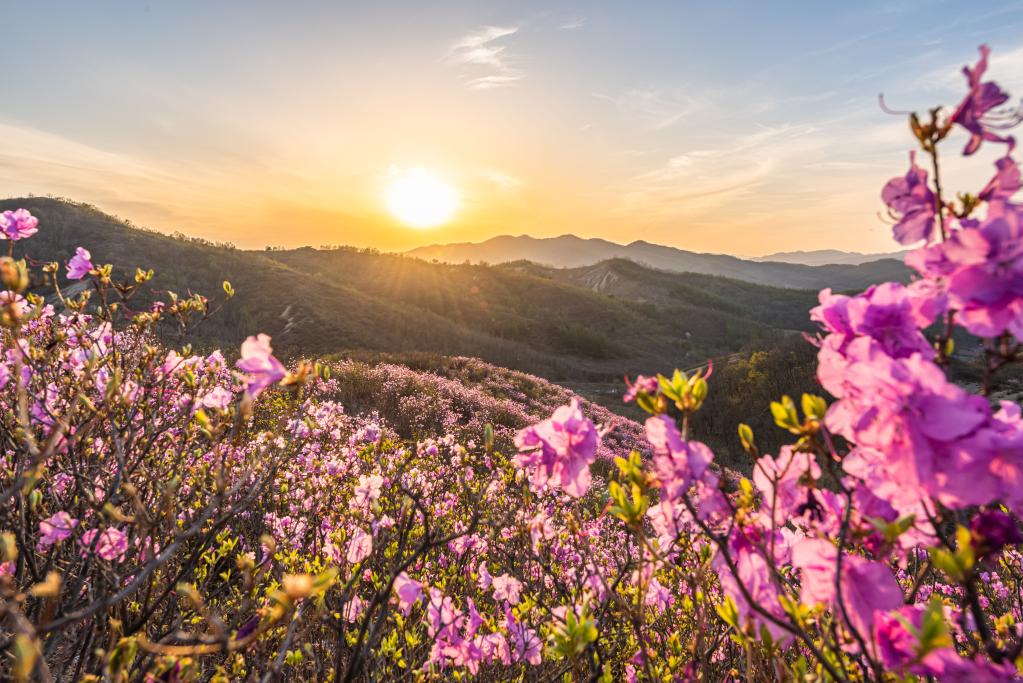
x: 569, y: 251
x: 316, y: 302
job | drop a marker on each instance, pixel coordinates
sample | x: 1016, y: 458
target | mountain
x: 569, y: 251
x: 316, y: 302
x: 824, y: 257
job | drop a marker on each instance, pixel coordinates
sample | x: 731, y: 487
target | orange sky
x: 680, y: 123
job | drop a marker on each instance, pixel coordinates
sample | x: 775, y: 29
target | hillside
x: 317, y: 302
x: 681, y: 293
x: 569, y: 251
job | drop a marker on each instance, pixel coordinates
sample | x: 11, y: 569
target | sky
x: 743, y: 127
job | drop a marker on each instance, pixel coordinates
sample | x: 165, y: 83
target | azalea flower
x: 359, y: 547
x: 111, y: 545
x: 678, y: 463
x: 981, y: 98
x: 80, y: 264
x: 867, y: 586
x: 506, y: 587
x: 911, y: 199
x: 55, y: 529
x: 409, y: 592
x: 259, y: 366
x: 17, y: 225
x: 560, y: 450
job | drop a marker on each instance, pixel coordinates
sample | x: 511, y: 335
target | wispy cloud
x: 481, y: 51
x: 573, y: 24
x: 658, y: 109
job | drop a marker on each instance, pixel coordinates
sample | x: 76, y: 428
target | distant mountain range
x: 825, y: 257
x: 569, y: 251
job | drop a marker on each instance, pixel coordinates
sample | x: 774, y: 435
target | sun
x: 420, y: 199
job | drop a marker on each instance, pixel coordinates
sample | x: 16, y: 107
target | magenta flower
x: 1004, y: 185
x: 755, y: 575
x: 111, y: 545
x: 642, y: 385
x: 900, y: 651
x: 359, y: 547
x: 506, y: 587
x: 987, y: 288
x: 678, y: 463
x: 867, y: 586
x: 993, y: 530
x: 911, y: 199
x: 79, y: 265
x: 525, y: 644
x: 981, y: 98
x: 17, y: 225
x: 890, y: 313
x: 560, y: 450
x: 781, y: 482
x: 409, y: 592
x: 259, y: 366
x: 55, y: 529
x: 217, y: 398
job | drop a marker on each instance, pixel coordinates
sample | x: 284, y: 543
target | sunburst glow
x: 420, y: 199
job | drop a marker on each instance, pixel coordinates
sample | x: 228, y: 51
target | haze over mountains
x: 825, y: 257
x: 569, y: 251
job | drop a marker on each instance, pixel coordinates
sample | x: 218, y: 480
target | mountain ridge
x: 571, y: 251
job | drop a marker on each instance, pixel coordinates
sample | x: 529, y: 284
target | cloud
x: 479, y: 50
x: 699, y: 181
x: 657, y: 108
x: 504, y: 181
x: 573, y: 24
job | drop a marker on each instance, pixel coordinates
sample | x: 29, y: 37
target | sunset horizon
x: 581, y: 119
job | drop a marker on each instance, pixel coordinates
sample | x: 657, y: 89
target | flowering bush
x: 171, y: 516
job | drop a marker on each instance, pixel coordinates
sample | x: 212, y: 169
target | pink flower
x: 910, y: 198
x: 17, y: 225
x: 867, y: 586
x: 781, y: 482
x: 900, y: 651
x: 643, y: 385
x: 678, y: 463
x: 890, y: 313
x: 987, y: 285
x: 507, y: 587
x: 111, y: 545
x: 409, y: 592
x: 259, y: 366
x: 218, y: 398
x: 55, y: 529
x: 368, y: 490
x: 359, y: 547
x: 560, y: 450
x: 80, y: 264
x: 973, y: 113
x: 754, y: 574
x: 525, y: 644
x: 353, y: 609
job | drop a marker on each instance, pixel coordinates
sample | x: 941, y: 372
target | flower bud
x: 13, y: 274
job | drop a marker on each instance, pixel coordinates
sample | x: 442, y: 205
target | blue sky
x: 740, y: 127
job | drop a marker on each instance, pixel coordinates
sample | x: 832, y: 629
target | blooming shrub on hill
x: 169, y: 516
x: 465, y: 396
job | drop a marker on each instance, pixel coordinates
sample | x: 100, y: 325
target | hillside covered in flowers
x: 168, y: 514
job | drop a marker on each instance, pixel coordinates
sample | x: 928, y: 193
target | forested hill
x: 561, y: 325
